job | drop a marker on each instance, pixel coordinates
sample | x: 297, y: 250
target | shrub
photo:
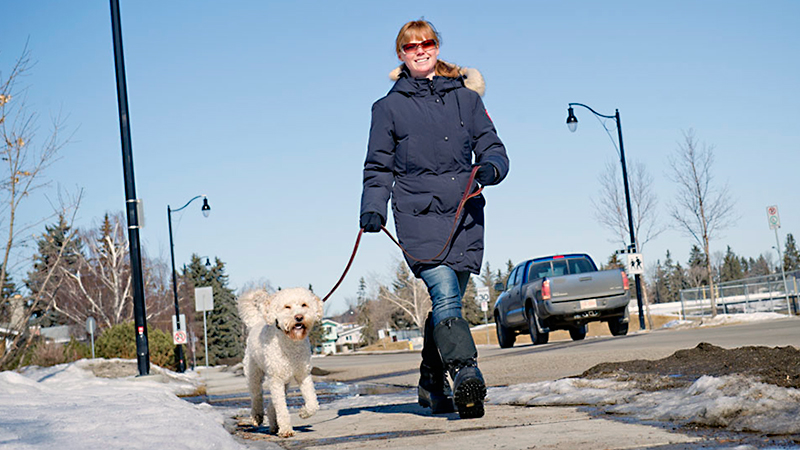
x: 119, y: 341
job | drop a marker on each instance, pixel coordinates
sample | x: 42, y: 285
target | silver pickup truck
x: 563, y: 292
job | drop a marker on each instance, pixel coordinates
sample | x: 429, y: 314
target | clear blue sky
x: 265, y: 108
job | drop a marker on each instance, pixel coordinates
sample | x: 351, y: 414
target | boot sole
x: 441, y: 407
x: 469, y: 399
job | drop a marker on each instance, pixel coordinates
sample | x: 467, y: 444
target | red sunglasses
x: 424, y: 45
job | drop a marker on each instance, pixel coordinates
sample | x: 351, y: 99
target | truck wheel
x: 577, y: 333
x: 617, y: 327
x: 536, y: 337
x: 505, y: 337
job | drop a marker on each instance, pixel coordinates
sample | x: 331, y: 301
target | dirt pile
x: 779, y: 365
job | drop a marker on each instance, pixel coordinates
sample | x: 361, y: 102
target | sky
x: 58, y: 406
x: 265, y: 108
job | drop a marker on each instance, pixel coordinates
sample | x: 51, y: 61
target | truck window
x: 580, y: 265
x: 539, y: 270
x: 559, y: 267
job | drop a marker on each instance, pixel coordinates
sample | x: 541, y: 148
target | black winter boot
x: 460, y: 358
x: 434, y: 390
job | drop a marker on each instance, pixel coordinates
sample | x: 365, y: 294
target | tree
x: 701, y: 209
x: 409, y: 296
x: 225, y: 328
x: 470, y: 309
x: 613, y: 263
x: 731, y: 268
x: 611, y: 210
x: 23, y: 161
x: 791, y: 256
x: 697, y: 274
x: 488, y: 279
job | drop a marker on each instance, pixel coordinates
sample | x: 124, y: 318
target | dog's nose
x: 298, y: 318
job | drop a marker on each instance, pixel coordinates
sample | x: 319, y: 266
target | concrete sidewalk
x: 400, y: 423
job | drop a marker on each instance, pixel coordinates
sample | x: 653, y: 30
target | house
x: 338, y: 337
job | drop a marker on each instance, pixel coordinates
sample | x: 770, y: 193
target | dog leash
x: 467, y: 195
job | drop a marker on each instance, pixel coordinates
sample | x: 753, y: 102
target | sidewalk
x: 400, y: 423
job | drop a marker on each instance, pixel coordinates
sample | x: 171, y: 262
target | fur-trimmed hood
x: 473, y: 79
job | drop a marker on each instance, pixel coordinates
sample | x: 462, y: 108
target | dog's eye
x: 305, y: 306
x: 288, y: 307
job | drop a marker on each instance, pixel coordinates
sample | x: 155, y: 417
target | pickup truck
x: 563, y: 292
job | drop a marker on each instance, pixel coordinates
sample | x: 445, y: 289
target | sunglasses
x: 424, y: 45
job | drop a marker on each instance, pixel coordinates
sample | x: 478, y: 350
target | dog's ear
x: 316, y: 308
x: 267, y: 308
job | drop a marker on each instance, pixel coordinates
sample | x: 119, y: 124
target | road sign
x: 482, y: 296
x: 91, y: 325
x: 204, y: 299
x: 773, y: 217
x: 635, y: 264
x: 179, y: 337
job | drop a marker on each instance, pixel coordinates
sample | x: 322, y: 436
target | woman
x: 422, y: 140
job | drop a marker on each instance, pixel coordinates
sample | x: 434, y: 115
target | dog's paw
x: 286, y: 433
x: 306, y: 412
x: 257, y: 419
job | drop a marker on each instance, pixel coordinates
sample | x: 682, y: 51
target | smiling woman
x: 425, y: 134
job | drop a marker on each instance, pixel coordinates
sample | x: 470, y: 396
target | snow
x: 68, y: 407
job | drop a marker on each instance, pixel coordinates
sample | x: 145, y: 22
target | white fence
x: 761, y: 294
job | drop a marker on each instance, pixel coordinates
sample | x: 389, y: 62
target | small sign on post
x: 204, y: 301
x: 179, y: 333
x: 635, y: 264
x: 773, y: 217
x: 91, y: 325
x: 482, y: 296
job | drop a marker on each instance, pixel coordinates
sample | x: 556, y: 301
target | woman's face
x: 420, y: 56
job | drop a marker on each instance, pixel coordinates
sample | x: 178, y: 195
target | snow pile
x: 67, y: 407
x: 732, y: 402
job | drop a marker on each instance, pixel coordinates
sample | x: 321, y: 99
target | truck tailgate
x: 586, y: 285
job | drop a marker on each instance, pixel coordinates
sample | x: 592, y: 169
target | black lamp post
x: 572, y: 124
x: 206, y: 210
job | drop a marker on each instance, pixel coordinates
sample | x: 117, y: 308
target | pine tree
x: 731, y: 267
x: 613, y: 262
x: 697, y: 274
x: 470, y: 309
x: 791, y: 256
x: 56, y: 237
x: 488, y: 279
x: 225, y: 329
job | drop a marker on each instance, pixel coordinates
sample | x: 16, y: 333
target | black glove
x: 371, y: 222
x: 486, y: 174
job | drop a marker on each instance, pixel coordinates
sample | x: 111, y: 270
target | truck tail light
x: 626, y: 284
x: 546, y: 289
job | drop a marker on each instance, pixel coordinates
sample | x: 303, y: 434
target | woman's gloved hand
x: 486, y: 174
x: 371, y: 222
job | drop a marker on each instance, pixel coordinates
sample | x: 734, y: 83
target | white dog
x: 278, y: 347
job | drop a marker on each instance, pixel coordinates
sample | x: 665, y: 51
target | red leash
x: 460, y: 209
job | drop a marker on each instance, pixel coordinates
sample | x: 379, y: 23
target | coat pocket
x: 415, y: 204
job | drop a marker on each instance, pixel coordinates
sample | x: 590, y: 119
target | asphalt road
x: 527, y: 363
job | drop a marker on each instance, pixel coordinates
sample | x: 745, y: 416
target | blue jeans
x: 446, y: 287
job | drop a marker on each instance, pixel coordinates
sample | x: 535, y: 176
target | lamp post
x: 572, y: 124
x: 206, y: 210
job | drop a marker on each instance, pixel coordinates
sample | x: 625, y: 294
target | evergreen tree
x: 470, y: 309
x: 488, y: 279
x: 48, y: 246
x: 613, y: 262
x: 659, y: 292
x: 225, y: 328
x: 697, y: 274
x: 731, y: 267
x: 791, y: 256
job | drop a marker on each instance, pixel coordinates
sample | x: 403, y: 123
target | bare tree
x: 407, y: 294
x: 101, y: 286
x: 612, y: 212
x: 701, y: 208
x: 23, y: 162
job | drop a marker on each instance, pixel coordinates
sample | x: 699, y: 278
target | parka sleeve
x: 486, y: 144
x: 379, y: 165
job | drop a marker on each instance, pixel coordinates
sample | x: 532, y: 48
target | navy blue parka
x: 425, y: 137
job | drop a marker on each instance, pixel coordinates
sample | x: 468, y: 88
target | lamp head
x: 572, y: 121
x: 206, y: 209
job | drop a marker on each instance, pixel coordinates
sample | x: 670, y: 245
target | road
x: 527, y: 363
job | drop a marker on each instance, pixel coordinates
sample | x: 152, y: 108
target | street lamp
x: 572, y: 124
x: 206, y: 210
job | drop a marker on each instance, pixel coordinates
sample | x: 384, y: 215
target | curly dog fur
x: 278, y: 348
